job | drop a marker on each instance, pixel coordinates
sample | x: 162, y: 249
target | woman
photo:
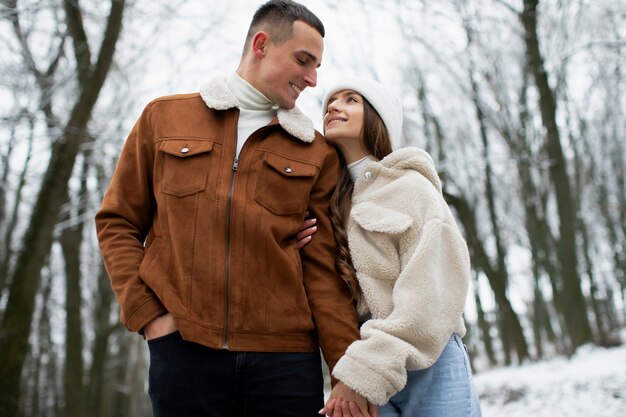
x: 405, y: 261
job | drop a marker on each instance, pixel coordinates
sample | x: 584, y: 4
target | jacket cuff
x: 376, y: 387
x: 148, y: 311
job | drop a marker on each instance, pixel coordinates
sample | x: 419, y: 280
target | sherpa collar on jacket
x: 218, y: 96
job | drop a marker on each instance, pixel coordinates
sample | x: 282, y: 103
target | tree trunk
x: 485, y: 328
x: 601, y: 328
x: 73, y: 375
x: 496, y: 280
x: 16, y: 323
x: 602, y: 306
x: 136, y: 376
x: 39, y: 387
x: 96, y: 388
x: 612, y: 226
x: 71, y: 240
x: 576, y: 318
x: 120, y: 400
x: 495, y: 227
x: 12, y: 222
x: 542, y: 243
x: 4, y: 180
x: 104, y: 326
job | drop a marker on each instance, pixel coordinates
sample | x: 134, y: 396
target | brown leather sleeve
x: 123, y: 222
x: 329, y: 299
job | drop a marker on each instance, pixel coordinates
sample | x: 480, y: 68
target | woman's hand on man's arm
x: 307, y: 230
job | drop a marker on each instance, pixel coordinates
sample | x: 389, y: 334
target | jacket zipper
x: 228, y: 251
x: 230, y: 205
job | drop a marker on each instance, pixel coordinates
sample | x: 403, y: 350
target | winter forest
x: 521, y: 103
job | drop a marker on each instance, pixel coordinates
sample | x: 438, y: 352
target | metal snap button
x: 368, y: 175
x: 288, y: 170
x: 184, y: 150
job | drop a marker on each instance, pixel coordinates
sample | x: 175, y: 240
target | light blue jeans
x: 442, y: 390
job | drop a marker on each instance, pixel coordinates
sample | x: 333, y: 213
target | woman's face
x: 343, y: 121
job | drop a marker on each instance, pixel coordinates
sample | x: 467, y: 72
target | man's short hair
x: 276, y: 17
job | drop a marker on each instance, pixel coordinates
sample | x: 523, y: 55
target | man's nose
x: 311, y: 77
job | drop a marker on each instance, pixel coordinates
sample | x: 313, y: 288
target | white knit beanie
x: 387, y: 105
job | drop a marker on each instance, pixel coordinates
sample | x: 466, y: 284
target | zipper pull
x: 235, y: 164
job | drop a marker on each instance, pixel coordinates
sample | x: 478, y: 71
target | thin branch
x: 509, y: 7
x: 609, y: 44
x: 43, y: 79
x: 54, y: 64
x: 109, y: 41
x: 13, y: 16
x: 82, y: 53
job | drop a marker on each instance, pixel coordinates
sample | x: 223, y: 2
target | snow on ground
x: 590, y: 384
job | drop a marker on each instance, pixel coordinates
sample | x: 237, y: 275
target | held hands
x: 306, y: 232
x: 160, y: 326
x: 344, y: 402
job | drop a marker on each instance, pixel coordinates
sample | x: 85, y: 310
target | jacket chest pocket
x: 185, y: 166
x: 284, y: 185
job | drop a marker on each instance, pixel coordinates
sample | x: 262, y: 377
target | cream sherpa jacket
x: 413, y: 268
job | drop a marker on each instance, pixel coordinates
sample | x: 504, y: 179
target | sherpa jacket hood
x: 412, y: 159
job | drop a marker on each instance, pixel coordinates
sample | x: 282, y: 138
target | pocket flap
x: 375, y: 218
x: 290, y: 168
x: 184, y: 148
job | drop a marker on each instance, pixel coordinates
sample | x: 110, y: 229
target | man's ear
x: 260, y: 44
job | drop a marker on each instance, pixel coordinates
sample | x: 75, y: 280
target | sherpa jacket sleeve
x: 123, y: 223
x: 428, y: 299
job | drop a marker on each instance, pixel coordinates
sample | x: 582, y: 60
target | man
x: 216, y: 184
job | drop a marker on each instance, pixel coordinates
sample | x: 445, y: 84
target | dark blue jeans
x: 191, y: 380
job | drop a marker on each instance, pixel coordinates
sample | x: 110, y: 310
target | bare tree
x: 574, y: 304
x: 71, y: 239
x: 16, y: 323
x: 504, y: 79
x: 510, y: 327
x: 9, y: 224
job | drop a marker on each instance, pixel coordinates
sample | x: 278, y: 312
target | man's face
x: 287, y: 69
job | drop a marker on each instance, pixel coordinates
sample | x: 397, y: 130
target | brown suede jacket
x: 186, y: 228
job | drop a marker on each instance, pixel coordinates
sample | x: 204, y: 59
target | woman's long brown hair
x: 377, y: 143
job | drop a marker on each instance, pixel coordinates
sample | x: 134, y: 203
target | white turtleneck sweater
x: 255, y: 110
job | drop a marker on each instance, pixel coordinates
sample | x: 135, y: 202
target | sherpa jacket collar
x: 218, y: 96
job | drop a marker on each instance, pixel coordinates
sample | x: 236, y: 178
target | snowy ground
x: 591, y: 384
